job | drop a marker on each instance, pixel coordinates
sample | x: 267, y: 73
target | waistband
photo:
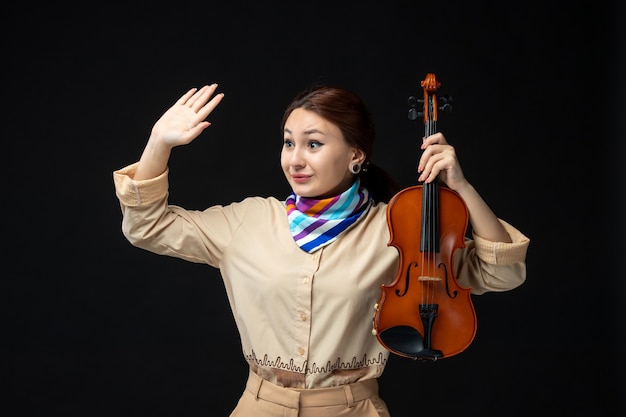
x: 318, y: 397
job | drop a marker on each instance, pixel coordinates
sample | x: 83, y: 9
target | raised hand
x: 179, y: 125
x: 185, y: 120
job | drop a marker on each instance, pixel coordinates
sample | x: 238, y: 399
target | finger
x: 430, y: 175
x: 195, y: 131
x: 434, y: 165
x: 429, y: 151
x: 436, y: 138
x: 200, y: 97
x: 428, y: 141
x: 183, y: 99
x: 426, y: 154
x: 204, y: 112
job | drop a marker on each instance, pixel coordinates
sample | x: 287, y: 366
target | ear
x: 358, y: 156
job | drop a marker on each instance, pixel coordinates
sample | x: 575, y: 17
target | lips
x: 300, y: 178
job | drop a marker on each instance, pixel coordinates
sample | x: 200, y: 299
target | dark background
x: 93, y: 326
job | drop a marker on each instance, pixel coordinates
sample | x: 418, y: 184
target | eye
x: 315, y: 144
x: 288, y: 143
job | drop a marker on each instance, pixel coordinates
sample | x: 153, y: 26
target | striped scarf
x: 315, y: 223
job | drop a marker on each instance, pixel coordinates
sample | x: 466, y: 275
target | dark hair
x: 347, y: 110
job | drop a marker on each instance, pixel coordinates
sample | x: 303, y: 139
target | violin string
x: 431, y: 218
x: 424, y: 249
x: 425, y: 234
x: 434, y: 216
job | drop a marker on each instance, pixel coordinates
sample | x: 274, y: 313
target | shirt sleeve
x: 486, y: 266
x: 150, y: 223
x: 132, y: 193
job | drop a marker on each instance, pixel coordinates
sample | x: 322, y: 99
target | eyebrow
x: 307, y: 132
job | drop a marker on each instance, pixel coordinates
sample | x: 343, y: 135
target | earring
x: 355, y: 168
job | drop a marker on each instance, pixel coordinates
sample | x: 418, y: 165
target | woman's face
x: 315, y: 157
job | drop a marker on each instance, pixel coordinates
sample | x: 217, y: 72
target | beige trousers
x: 264, y: 399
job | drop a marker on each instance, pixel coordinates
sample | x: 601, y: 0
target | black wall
x: 93, y: 326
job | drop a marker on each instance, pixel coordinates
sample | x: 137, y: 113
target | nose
x: 296, y: 159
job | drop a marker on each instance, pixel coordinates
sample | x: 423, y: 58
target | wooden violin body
x: 424, y: 313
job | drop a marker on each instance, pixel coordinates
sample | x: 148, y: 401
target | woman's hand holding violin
x: 439, y: 160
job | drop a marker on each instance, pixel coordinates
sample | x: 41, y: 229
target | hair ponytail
x: 380, y: 184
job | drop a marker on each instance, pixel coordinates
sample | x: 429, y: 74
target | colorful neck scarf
x: 316, y: 223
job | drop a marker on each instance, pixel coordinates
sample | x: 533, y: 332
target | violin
x: 424, y: 314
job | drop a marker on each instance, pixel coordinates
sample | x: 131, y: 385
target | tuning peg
x: 445, y: 99
x: 445, y: 102
x: 414, y: 114
x: 413, y: 102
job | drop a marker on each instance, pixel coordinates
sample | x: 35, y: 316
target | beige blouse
x: 305, y: 320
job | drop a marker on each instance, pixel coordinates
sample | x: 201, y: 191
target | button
x: 301, y: 351
x: 303, y: 316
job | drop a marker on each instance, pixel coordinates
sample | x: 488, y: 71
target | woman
x: 302, y: 274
